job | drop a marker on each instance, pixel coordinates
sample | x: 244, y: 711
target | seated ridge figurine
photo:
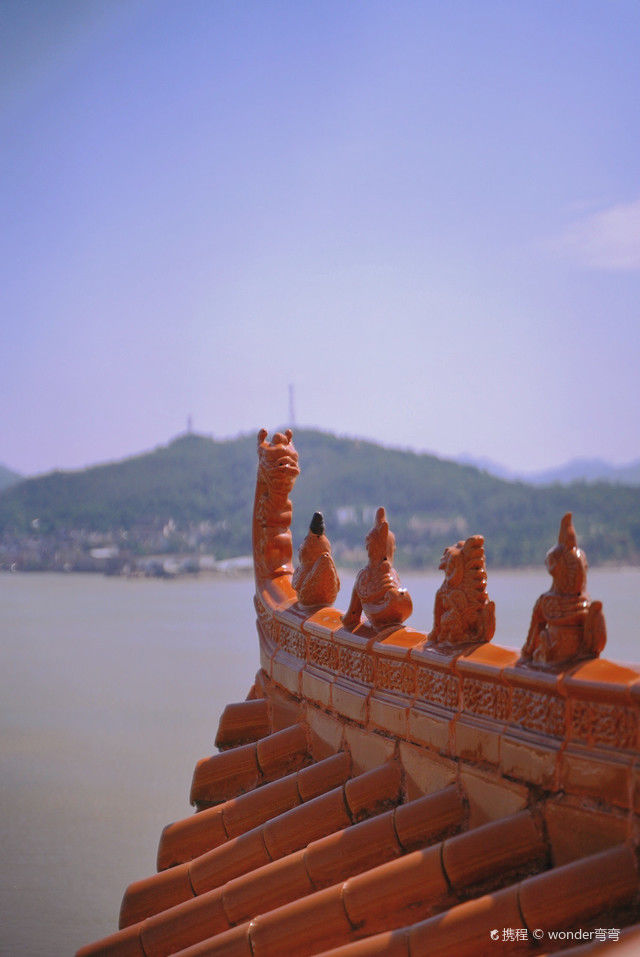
x: 377, y: 590
x: 462, y: 612
x: 566, y: 626
x: 316, y: 578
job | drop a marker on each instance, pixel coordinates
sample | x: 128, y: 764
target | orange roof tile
x: 183, y: 840
x: 242, y: 723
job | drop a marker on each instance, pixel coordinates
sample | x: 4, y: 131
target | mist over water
x: 111, y: 690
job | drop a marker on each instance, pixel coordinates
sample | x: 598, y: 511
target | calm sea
x: 110, y: 691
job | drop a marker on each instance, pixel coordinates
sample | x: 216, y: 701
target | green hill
x: 197, y: 494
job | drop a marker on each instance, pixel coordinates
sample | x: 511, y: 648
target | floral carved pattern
x: 616, y: 727
x: 392, y: 675
x: 580, y: 721
x: 538, y: 712
x: 323, y: 652
x: 486, y: 697
x: 292, y: 641
x: 437, y: 687
x: 355, y: 664
x: 605, y: 724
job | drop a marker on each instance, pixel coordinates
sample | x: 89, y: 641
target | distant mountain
x: 196, y: 495
x: 577, y: 470
x: 589, y: 470
x: 8, y: 477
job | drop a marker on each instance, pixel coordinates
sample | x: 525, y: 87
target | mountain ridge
x: 579, y: 469
x: 196, y: 494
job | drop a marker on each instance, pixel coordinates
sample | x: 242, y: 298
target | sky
x: 423, y: 216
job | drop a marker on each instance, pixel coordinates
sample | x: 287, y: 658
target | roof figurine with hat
x: 566, y: 625
x: 316, y: 578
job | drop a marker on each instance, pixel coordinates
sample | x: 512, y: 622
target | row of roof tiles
x: 313, y: 859
x: 183, y: 840
x: 331, y: 811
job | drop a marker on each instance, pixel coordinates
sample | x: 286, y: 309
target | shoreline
x: 246, y: 572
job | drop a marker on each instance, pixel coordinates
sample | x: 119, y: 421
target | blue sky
x: 423, y: 215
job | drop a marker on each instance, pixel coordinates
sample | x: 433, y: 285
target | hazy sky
x: 423, y: 215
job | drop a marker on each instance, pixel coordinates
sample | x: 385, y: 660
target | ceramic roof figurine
x: 316, y: 579
x: 377, y: 591
x: 463, y: 613
x: 277, y: 473
x: 566, y: 626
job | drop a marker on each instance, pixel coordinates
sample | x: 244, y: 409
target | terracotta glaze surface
x: 316, y: 578
x: 377, y: 591
x: 463, y: 613
x: 566, y: 625
x: 387, y: 792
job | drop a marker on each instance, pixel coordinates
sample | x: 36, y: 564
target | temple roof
x: 295, y: 850
x: 382, y: 791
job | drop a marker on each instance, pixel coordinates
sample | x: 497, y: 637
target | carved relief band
x: 486, y: 698
x: 394, y: 675
x: 538, y: 711
x: 437, y: 687
x: 607, y: 725
x: 355, y: 664
x: 293, y: 641
x: 322, y: 652
x: 266, y: 620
